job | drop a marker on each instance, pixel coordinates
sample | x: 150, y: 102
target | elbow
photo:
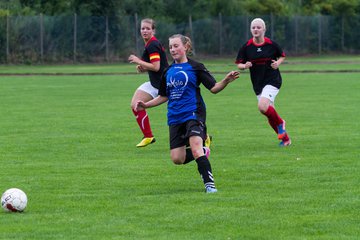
x: 214, y: 91
x: 156, y: 67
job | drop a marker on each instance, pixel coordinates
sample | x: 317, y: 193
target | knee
x: 176, y: 159
x: 133, y: 103
x: 197, y: 153
x: 263, y: 108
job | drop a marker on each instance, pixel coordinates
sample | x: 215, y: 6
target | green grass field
x: 69, y: 143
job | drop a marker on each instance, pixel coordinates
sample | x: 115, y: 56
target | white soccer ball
x: 14, y: 200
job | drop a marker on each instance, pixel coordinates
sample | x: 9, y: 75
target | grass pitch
x: 69, y: 143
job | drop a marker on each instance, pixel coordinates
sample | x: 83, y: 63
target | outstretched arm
x: 219, y: 86
x: 152, y: 103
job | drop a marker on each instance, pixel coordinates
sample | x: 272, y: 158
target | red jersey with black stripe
x: 261, y: 56
x: 154, y: 51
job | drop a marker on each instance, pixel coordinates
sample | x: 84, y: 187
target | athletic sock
x: 274, y: 126
x: 273, y: 118
x: 204, y: 169
x: 143, y: 121
x: 189, y: 156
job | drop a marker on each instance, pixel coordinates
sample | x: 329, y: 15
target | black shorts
x: 180, y: 133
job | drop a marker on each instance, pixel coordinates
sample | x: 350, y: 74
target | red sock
x: 143, y: 122
x: 273, y: 118
x: 273, y: 125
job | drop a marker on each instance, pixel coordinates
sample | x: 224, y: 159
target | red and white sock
x: 273, y: 118
x: 143, y: 121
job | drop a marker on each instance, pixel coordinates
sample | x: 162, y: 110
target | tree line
x: 177, y: 10
x: 33, y: 31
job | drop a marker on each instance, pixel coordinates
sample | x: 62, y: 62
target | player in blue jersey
x: 262, y: 56
x: 153, y: 61
x: 180, y: 86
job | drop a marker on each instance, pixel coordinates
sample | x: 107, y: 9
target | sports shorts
x: 270, y: 92
x: 148, y: 88
x: 180, y: 133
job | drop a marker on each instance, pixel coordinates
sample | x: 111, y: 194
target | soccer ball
x: 14, y: 200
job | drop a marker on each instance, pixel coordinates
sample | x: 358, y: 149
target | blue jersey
x: 181, y: 85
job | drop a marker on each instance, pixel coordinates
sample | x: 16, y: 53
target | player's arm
x: 209, y: 81
x: 276, y: 63
x: 243, y: 66
x: 145, y: 66
x: 242, y: 61
x: 152, y: 103
x: 219, y: 86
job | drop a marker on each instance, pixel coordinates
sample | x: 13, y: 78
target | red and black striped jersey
x: 261, y: 56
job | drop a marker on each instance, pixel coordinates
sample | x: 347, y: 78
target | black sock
x: 189, y: 156
x: 204, y: 169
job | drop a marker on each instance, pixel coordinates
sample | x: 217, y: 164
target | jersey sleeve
x: 241, y: 57
x: 279, y: 50
x: 162, y: 88
x: 205, y: 77
x: 154, y: 51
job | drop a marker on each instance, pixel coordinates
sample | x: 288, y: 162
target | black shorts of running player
x: 180, y: 133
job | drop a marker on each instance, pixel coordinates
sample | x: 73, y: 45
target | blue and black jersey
x: 261, y: 57
x: 181, y: 85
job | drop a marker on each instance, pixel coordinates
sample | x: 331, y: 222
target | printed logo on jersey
x: 259, y: 50
x: 197, y: 132
x: 177, y: 84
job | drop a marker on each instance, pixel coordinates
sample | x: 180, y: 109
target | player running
x: 263, y: 57
x: 153, y: 61
x: 180, y: 86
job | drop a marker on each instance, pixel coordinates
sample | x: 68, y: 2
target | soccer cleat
x: 281, y: 130
x: 210, y: 190
x: 207, y: 152
x: 285, y: 143
x: 146, y: 141
x: 208, y: 140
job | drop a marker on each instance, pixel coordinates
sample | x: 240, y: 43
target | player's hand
x: 140, y: 105
x: 231, y: 76
x: 248, y: 65
x: 140, y: 69
x: 133, y: 59
x: 274, y: 64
